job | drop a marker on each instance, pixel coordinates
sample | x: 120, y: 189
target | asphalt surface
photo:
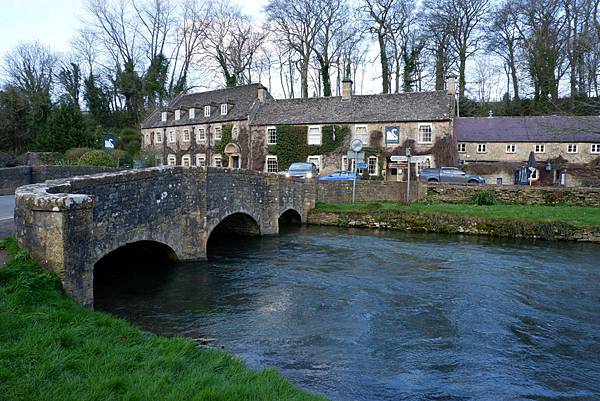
x: 7, y: 209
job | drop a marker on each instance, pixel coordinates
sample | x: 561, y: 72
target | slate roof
x: 528, y: 129
x: 397, y: 107
x: 240, y: 100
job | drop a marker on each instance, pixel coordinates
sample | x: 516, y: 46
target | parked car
x: 340, y: 175
x: 450, y: 175
x: 302, y: 170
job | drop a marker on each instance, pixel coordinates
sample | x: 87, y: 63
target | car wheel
x: 473, y: 182
x: 432, y: 180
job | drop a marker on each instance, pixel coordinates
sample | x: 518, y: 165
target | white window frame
x: 511, y: 148
x: 364, y: 138
x: 171, y: 160
x: 192, y: 113
x: 268, y: 134
x: 461, y: 147
x: 158, y: 137
x: 318, y: 157
x: 376, y: 172
x: 223, y: 109
x: 201, y: 160
x: 218, y: 133
x: 595, y: 148
x: 572, y: 148
x: 201, y: 138
x: 271, y: 158
x: 539, y: 148
x: 206, y: 111
x: 172, y: 136
x: 186, y: 135
x: 214, y: 161
x: 163, y: 116
x: 186, y: 159
x: 347, y: 164
x: 308, y: 135
x: 482, y: 148
x: 177, y: 115
x: 420, y: 137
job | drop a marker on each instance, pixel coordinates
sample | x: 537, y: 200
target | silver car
x: 302, y: 170
x: 449, y: 174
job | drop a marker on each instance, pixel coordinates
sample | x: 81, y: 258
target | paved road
x: 7, y: 208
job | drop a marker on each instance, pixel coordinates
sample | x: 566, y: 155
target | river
x: 367, y: 315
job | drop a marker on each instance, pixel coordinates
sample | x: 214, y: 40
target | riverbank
x: 511, y: 221
x: 53, y: 349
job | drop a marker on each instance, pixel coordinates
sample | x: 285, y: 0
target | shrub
x: 101, y: 158
x: 74, y: 154
x: 485, y: 198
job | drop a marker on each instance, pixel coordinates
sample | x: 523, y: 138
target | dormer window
x: 206, y: 111
x: 192, y: 113
x: 177, y: 115
x: 163, y: 116
x: 224, y: 109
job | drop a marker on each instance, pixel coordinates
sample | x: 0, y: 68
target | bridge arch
x: 290, y: 216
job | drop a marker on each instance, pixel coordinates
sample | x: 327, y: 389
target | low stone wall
x: 523, y: 195
x: 13, y: 177
x: 367, y: 191
x: 453, y: 224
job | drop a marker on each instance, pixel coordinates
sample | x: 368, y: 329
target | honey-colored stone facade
x: 497, y: 151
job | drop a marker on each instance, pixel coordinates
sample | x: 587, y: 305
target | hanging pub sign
x: 110, y: 142
x: 392, y: 134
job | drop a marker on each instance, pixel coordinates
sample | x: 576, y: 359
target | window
x: 206, y: 111
x: 171, y: 136
x: 481, y: 147
x: 316, y: 160
x: 186, y: 161
x: 177, y: 115
x: 271, y: 136
x: 511, y: 148
x: 217, y: 161
x: 360, y: 132
x: 224, y: 109
x: 234, y: 132
x: 572, y: 148
x: 201, y: 160
x: 540, y: 148
x: 171, y: 160
x: 186, y: 135
x: 201, y: 135
x: 163, y: 116
x: 595, y: 148
x: 347, y: 164
x: 158, y: 137
x: 373, y: 170
x: 147, y: 139
x: 218, y: 133
x: 425, y: 135
x: 461, y: 147
x: 272, y: 164
x: 192, y: 113
x: 314, y: 135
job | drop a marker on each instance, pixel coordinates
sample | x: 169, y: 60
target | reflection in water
x: 360, y: 315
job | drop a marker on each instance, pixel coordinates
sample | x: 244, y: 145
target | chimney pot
x: 451, y: 85
x: 346, y: 89
x: 262, y: 94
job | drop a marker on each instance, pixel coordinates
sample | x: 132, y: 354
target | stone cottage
x: 245, y: 127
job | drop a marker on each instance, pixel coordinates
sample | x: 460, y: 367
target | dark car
x: 450, y: 175
x: 340, y: 175
x: 302, y: 170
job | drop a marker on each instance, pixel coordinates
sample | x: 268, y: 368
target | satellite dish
x: 356, y: 145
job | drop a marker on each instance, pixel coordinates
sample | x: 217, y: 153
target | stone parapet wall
x: 13, y: 177
x: 367, y: 191
x: 522, y: 195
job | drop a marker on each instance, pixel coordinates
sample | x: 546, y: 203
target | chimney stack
x: 262, y: 94
x: 346, y: 89
x: 451, y: 85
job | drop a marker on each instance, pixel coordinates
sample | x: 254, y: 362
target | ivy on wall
x: 292, y: 147
x: 226, y: 137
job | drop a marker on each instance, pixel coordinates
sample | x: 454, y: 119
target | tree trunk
x: 304, y: 77
x: 440, y: 81
x: 385, y: 70
x: 461, y: 73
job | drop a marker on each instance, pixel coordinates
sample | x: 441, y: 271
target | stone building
x: 245, y: 127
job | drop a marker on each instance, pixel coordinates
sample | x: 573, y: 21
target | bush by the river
x: 105, y: 158
x: 485, y: 198
x: 74, y: 154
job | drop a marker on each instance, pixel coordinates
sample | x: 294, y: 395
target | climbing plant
x: 226, y: 137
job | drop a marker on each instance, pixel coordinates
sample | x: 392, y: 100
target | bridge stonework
x: 68, y: 225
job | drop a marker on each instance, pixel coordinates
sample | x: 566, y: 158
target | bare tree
x: 156, y: 22
x: 438, y: 30
x: 503, y: 40
x: 30, y: 67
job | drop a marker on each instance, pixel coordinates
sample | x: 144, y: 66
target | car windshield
x: 301, y: 167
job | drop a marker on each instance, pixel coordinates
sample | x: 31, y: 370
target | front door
x: 234, y: 161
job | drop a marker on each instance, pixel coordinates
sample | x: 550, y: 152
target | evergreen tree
x: 65, y: 129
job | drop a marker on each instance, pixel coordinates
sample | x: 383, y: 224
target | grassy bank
x: 573, y: 215
x: 52, y: 349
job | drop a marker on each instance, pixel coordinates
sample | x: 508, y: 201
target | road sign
x: 360, y: 156
x: 397, y: 165
x: 362, y: 165
x: 356, y: 145
x: 398, y: 158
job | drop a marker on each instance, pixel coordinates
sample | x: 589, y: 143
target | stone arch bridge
x: 69, y: 225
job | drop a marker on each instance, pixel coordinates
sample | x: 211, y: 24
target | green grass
x: 574, y: 215
x: 52, y: 349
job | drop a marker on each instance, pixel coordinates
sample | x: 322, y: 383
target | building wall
x: 496, y: 151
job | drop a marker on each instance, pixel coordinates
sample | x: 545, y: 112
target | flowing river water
x: 367, y: 315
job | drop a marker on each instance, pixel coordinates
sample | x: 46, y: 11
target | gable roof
x: 240, y: 101
x: 528, y: 129
x: 397, y: 107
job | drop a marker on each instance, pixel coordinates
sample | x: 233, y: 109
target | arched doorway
x: 234, y: 154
